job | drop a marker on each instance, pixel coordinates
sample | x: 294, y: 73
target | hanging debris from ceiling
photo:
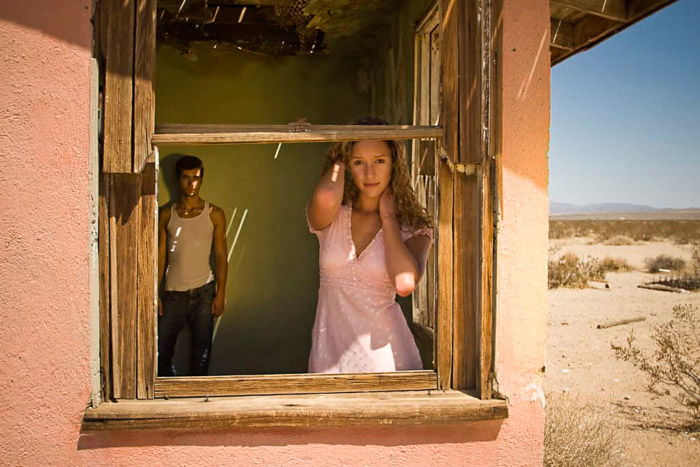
x: 273, y: 27
x: 351, y: 24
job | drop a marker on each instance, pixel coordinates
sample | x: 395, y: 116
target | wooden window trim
x: 271, y: 134
x: 128, y: 207
x: 388, y: 408
x: 305, y: 383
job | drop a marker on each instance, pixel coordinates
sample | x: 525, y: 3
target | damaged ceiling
x: 273, y: 27
x: 299, y: 27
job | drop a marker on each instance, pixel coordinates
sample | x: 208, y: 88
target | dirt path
x: 581, y: 362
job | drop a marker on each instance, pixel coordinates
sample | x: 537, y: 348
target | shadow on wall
x: 67, y: 20
x: 169, y: 178
x: 484, y: 431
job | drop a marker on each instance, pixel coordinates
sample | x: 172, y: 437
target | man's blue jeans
x: 193, y: 308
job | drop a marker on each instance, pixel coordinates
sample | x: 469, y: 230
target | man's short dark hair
x: 188, y: 162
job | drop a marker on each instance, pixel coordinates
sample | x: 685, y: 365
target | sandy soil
x: 653, y: 430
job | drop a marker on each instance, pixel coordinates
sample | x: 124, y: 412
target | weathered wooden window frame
x: 461, y: 386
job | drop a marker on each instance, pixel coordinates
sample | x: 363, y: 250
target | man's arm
x: 218, y: 218
x: 163, y: 219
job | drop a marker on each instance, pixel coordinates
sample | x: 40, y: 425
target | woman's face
x: 370, y: 165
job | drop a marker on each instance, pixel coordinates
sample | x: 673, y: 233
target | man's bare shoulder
x: 216, y: 213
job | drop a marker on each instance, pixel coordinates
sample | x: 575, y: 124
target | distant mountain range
x: 617, y: 211
x: 564, y: 208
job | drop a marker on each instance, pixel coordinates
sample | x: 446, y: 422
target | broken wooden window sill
x: 379, y: 408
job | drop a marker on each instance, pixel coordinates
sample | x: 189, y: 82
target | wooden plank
x: 430, y: 19
x: 484, y: 318
x: 444, y: 337
x: 420, y: 55
x: 117, y: 50
x: 491, y: 194
x: 620, y: 322
x: 435, y: 77
x: 466, y: 276
x: 449, y: 19
x: 610, y: 9
x: 294, y: 384
x: 252, y: 134
x: 557, y: 54
x: 471, y: 87
x: 397, y: 408
x: 591, y: 29
x: 147, y: 281
x: 105, y: 317
x: 124, y: 198
x: 144, y: 75
x: 562, y: 34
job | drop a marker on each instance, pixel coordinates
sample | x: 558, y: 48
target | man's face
x: 190, y: 181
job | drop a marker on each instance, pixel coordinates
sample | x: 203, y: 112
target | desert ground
x: 581, y: 366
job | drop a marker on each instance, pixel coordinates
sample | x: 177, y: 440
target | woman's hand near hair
x: 327, y: 196
x: 387, y: 205
x: 405, y: 261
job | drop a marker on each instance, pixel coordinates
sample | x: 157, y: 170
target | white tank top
x: 189, y: 247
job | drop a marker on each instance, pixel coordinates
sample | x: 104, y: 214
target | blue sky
x: 626, y: 116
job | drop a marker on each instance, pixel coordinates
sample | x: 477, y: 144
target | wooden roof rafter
x: 578, y: 25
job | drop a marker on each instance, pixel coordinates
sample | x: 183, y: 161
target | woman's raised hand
x: 327, y: 196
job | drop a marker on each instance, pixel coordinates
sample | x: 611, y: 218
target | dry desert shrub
x: 610, y: 264
x: 567, y: 229
x: 578, y: 436
x: 678, y: 231
x: 674, y: 367
x: 570, y: 270
x: 672, y: 263
x: 694, y: 263
x: 619, y: 240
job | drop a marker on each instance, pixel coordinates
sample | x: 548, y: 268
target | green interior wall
x: 273, y: 270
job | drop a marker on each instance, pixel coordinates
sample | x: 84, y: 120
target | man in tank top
x: 191, y: 294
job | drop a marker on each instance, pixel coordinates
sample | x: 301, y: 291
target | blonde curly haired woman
x: 374, y: 239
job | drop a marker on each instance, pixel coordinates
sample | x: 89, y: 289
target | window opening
x: 232, y: 73
x: 374, y: 71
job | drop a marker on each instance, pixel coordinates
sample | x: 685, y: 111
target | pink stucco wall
x: 44, y: 273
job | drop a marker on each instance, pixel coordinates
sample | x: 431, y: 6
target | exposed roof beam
x: 589, y: 30
x: 562, y: 35
x: 610, y: 9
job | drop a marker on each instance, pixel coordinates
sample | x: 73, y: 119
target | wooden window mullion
x: 445, y: 305
x: 116, y: 50
x: 124, y: 214
x: 143, y: 81
x: 147, y: 280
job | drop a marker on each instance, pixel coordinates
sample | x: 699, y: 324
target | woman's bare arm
x: 405, y: 261
x: 327, y: 197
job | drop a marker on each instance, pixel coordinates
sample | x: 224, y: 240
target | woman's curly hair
x: 409, y: 211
